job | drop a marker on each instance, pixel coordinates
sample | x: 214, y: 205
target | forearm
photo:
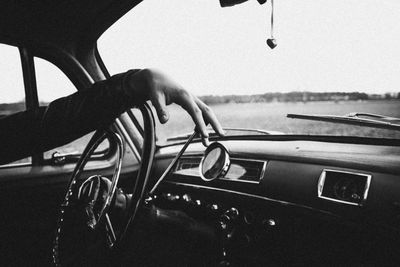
x: 71, y: 117
x: 64, y: 120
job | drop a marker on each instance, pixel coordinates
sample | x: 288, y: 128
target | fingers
x: 210, y: 117
x: 200, y: 112
x: 164, y: 91
x: 186, y: 101
x: 160, y: 106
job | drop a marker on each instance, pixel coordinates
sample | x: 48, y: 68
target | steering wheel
x: 97, y: 219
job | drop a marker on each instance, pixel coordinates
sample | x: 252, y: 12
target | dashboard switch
x: 186, y: 198
x: 232, y: 213
x: 214, y: 207
x: 171, y: 197
x: 269, y: 224
x: 226, y: 220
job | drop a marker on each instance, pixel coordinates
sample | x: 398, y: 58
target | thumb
x: 161, y: 108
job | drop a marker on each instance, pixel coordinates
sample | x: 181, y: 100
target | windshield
x: 333, y: 58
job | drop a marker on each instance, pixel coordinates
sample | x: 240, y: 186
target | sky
x: 329, y: 45
x: 323, y: 45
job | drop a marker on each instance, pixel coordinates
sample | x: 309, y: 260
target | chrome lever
x: 172, y: 164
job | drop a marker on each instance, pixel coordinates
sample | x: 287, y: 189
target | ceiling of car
x: 64, y: 24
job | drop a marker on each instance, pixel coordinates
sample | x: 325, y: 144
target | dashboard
x: 292, y: 202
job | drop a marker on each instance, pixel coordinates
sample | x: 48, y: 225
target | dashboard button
x: 233, y: 213
x: 269, y: 224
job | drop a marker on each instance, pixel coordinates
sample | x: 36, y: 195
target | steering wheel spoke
x: 110, y: 232
x: 75, y: 194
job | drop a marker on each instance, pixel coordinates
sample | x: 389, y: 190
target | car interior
x: 258, y: 198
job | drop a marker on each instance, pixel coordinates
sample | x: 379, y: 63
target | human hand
x: 150, y: 84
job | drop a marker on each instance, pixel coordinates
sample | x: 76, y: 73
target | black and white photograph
x: 196, y: 133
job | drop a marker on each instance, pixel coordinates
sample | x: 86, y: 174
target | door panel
x: 30, y: 198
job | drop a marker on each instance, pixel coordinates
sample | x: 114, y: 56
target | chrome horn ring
x: 74, y: 186
x: 138, y: 193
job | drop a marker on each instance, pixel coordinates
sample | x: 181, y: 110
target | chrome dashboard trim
x: 263, y: 170
x: 264, y: 167
x: 282, y: 202
x: 188, y: 157
x: 321, y: 182
x: 225, y: 167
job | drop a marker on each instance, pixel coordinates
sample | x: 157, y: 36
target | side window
x: 53, y: 84
x: 12, y: 93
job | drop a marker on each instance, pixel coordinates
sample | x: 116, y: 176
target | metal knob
x: 226, y: 219
x: 233, y: 213
x: 269, y: 224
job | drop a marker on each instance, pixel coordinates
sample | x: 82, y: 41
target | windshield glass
x: 333, y: 58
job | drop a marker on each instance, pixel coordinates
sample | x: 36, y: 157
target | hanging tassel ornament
x: 271, y: 42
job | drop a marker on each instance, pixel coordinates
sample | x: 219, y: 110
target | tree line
x: 10, y: 108
x: 296, y: 97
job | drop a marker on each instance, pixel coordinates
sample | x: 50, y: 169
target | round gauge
x: 347, y: 190
x: 215, y: 162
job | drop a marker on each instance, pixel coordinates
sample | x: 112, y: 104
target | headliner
x: 61, y: 24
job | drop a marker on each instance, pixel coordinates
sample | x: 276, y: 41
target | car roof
x: 62, y: 24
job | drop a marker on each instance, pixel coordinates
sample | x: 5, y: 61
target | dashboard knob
x: 171, y: 197
x: 269, y: 224
x: 213, y: 210
x: 198, y: 202
x: 226, y: 220
x: 148, y: 200
x: 214, y: 207
x: 186, y: 198
x: 232, y: 213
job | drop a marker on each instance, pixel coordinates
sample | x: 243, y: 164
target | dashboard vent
x: 344, y: 187
x: 245, y: 170
x: 240, y: 170
x: 188, y: 166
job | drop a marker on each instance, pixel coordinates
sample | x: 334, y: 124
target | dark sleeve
x: 63, y: 120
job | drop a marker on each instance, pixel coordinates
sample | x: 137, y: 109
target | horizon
x: 311, y: 92
x: 394, y: 95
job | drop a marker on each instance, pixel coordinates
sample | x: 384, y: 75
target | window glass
x: 53, y: 84
x: 333, y: 58
x: 12, y: 92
